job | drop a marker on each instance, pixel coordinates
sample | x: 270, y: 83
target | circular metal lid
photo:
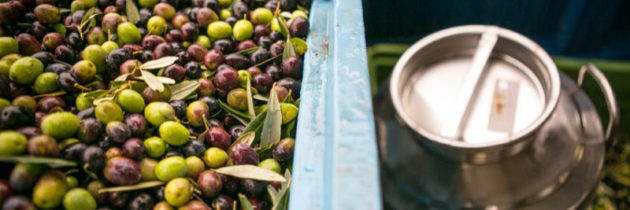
x: 475, y: 86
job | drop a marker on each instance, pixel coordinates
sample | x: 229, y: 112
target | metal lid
x: 475, y: 86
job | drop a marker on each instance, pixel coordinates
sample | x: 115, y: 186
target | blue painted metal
x: 336, y: 158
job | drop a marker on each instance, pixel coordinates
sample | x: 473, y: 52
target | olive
x: 178, y: 192
x: 239, y: 10
x: 223, y: 45
x: 146, y: 55
x: 226, y: 80
x: 118, y: 199
x: 225, y: 14
x: 29, y: 131
x: 292, y: 67
x: 86, y: 113
x: 145, y: 14
x: 236, y: 131
x: 93, y: 188
x: 237, y: 61
x: 172, y: 153
x: 147, y: 168
x: 72, y: 182
x: 67, y: 81
x: 261, y: 16
x: 195, y: 166
x: 113, y: 152
x: 72, y: 151
x: 128, y: 33
x: 196, y: 205
x: 292, y: 85
x: 96, y: 36
x: 163, y: 206
x: 261, y: 30
x: 283, y: 150
x: 52, y: 40
x: 18, y: 202
x: 179, y: 20
x: 109, y: 46
x: 189, y: 31
x: 265, y: 42
x: 222, y: 202
x: 133, y: 148
x: 219, y: 30
x: 50, y: 189
x: 147, y: 3
x: 174, y: 133
x: 94, y: 157
x: 206, y: 88
x: 108, y: 111
x: 117, y: 131
x: 129, y: 66
x: 130, y: 101
x: 74, y: 40
x: 197, y: 112
x: 157, y: 25
x: 122, y: 171
x: 209, y: 183
x: 165, y: 10
x: 60, y: 125
x: 25, y: 101
x: 243, y: 154
x: 155, y: 147
x: 203, y: 40
x: 43, y: 145
x: 162, y: 50
x: 212, y: 103
x: 110, y: 22
x: 237, y: 99
x: 245, y: 45
x: 271, y: 164
x: 12, y: 143
x: 253, y: 188
x: 299, y: 27
x: 79, y: 198
x: 175, y: 72
x: 262, y: 82
x: 65, y: 53
x: 96, y: 54
x: 24, y: 175
x: 194, y: 148
x: 197, y: 52
x: 117, y: 57
x: 174, y: 35
x: 137, y: 124
x: 213, y: 58
x: 193, y: 70
x: 46, y: 83
x: 89, y: 130
x: 171, y: 167
x: 206, y: 16
x: 289, y: 112
x: 84, y: 71
x: 47, y: 14
x: 142, y: 201
x: 49, y: 103
x: 276, y: 36
x: 57, y: 68
x: 180, y: 107
x: 243, y: 29
x: 25, y: 70
x: 158, y: 112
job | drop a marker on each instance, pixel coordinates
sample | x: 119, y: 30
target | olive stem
x: 265, y: 61
x: 205, y: 122
x: 81, y: 87
x: 59, y: 93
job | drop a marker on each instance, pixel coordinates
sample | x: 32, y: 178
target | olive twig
x: 59, y: 93
x: 81, y: 87
x: 265, y: 61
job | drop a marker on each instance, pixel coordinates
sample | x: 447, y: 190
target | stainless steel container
x: 498, y: 126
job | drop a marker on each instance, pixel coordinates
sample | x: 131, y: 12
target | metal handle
x: 611, y: 102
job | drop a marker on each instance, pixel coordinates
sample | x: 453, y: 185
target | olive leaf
x: 139, y: 186
x: 288, y: 128
x: 284, y: 29
x: 182, y: 90
x: 159, y: 63
x: 166, y: 80
x: 152, y: 81
x: 245, y: 204
x: 265, y: 152
x: 251, y: 172
x: 122, y: 77
x: 245, y: 138
x: 280, y: 199
x: 289, y: 50
x: 132, y: 12
x: 87, y: 14
x: 94, y: 94
x: 260, y: 97
x: 99, y: 100
x: 249, y: 50
x: 232, y: 110
x: 250, y: 101
x: 271, y: 131
x: 240, y: 119
x: 256, y: 123
x: 52, y: 162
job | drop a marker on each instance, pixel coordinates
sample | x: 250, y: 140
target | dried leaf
x: 272, y: 126
x: 251, y: 172
x: 249, y: 50
x: 139, y: 186
x: 132, y: 12
x: 184, y: 89
x: 250, y: 101
x: 152, y: 81
x: 159, y: 63
x: 261, y: 97
x: 245, y: 204
x: 166, y: 80
x: 52, y: 162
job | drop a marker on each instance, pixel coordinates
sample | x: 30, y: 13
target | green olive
x: 108, y: 46
x: 130, y: 101
x: 215, y: 157
x: 96, y: 54
x: 219, y: 30
x: 147, y: 3
x: 88, y: 3
x: 203, y: 40
x: 157, y: 25
x: 72, y: 182
x: 225, y: 14
x: 128, y: 33
x: 46, y: 83
x: 225, y: 3
x: 159, y: 112
x: 108, y: 111
x: 299, y: 13
x: 147, y: 169
x: 76, y: 5
x: 289, y: 112
x: 79, y: 199
x: 155, y: 146
x: 174, y: 133
x: 163, y: 205
x: 50, y: 189
x: 178, y: 192
x: 25, y: 70
x: 8, y: 45
x: 195, y: 166
x: 59, y: 28
x: 60, y: 125
x: 243, y: 30
x: 4, y: 103
x: 262, y: 16
x: 171, y: 167
x: 197, y: 112
x: 237, y: 99
x: 243, y: 75
x: 84, y: 71
x: 25, y: 101
x: 270, y: 164
x: 12, y: 143
x: 83, y: 102
x: 5, y: 68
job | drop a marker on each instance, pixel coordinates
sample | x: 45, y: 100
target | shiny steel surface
x: 556, y: 171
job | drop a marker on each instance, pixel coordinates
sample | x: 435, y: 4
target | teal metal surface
x: 336, y: 158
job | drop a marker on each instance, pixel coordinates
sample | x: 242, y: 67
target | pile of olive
x: 73, y: 88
